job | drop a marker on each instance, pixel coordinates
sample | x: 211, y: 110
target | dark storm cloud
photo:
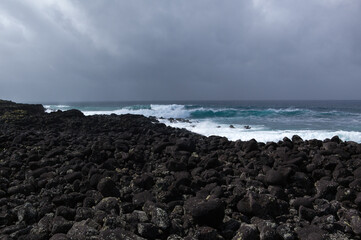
x: 177, y: 50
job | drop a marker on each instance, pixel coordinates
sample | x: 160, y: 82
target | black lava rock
x: 64, y: 175
x: 209, y: 212
x: 108, y: 188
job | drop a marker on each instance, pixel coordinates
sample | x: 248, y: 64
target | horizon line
x: 193, y: 100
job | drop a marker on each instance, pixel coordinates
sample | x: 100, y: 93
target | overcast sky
x: 76, y: 50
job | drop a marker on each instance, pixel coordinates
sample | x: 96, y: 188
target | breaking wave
x: 266, y: 123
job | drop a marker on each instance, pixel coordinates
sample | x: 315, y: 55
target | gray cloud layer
x: 75, y: 50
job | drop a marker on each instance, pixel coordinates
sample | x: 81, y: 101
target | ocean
x: 262, y: 120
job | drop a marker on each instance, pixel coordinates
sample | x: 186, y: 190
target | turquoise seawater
x: 268, y: 120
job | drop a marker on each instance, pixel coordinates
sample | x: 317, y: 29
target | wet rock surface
x: 67, y: 176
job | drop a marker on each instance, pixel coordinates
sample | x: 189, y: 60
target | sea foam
x: 259, y: 133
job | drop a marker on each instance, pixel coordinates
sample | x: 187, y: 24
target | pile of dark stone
x: 67, y: 176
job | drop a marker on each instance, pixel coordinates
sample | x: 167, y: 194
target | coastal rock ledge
x: 67, y: 176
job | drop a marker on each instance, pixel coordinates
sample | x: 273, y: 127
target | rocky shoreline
x: 67, y: 176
